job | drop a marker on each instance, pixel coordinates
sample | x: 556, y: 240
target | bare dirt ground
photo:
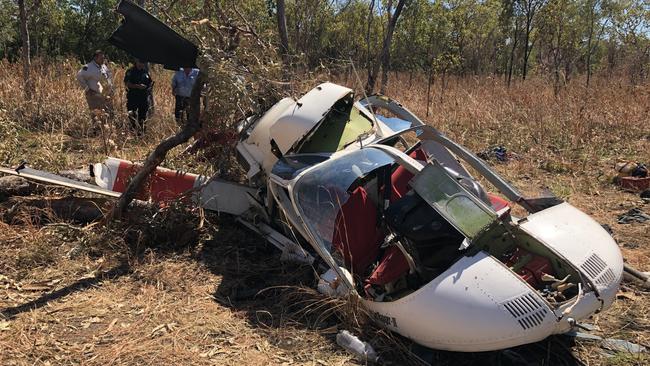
x: 171, y: 286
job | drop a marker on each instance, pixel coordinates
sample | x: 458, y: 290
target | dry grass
x: 158, y: 290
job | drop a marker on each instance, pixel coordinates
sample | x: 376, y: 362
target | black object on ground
x: 640, y: 171
x: 645, y: 196
x: 498, y: 153
x: 633, y: 215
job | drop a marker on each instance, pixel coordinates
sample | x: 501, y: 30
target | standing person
x: 138, y: 82
x: 182, y: 84
x: 97, y: 82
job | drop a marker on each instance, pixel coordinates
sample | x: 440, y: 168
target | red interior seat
x: 401, y: 177
x: 392, y: 266
x: 497, y: 202
x: 356, y: 234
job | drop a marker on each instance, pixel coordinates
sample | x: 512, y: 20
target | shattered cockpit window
x: 343, y: 125
x: 462, y: 209
x: 321, y: 192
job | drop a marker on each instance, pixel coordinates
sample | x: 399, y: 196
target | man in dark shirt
x: 138, y: 84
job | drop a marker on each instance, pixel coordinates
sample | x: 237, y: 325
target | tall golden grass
x: 608, y: 120
x: 576, y: 132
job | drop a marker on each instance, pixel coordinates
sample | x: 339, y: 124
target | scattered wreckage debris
x: 633, y: 215
x: 365, y: 186
x: 632, y: 176
x: 496, y: 153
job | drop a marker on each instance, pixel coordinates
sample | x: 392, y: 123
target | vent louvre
x: 527, y: 310
x: 606, y: 278
x: 594, y: 265
x: 597, y: 269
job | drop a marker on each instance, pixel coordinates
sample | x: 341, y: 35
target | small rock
x: 15, y: 186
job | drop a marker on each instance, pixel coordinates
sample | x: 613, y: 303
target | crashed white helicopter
x: 386, y: 205
x: 389, y: 207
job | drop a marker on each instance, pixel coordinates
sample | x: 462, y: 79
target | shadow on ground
x: 255, y: 281
x: 276, y: 296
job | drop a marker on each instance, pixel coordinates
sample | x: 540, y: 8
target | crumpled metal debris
x: 633, y: 215
x: 498, y: 153
x: 623, y: 346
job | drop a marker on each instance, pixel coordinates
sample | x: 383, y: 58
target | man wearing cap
x: 138, y: 84
x: 97, y: 82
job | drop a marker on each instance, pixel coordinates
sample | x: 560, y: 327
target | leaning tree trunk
x: 160, y: 152
x: 370, y: 63
x: 524, y: 68
x: 589, y: 41
x: 512, y: 52
x: 26, y: 57
x: 385, y: 51
x: 282, y: 31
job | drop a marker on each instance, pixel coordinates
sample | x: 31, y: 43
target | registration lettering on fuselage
x: 388, y: 320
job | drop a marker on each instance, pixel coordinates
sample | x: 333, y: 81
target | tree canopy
x: 510, y: 38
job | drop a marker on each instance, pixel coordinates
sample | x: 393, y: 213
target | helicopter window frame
x: 314, y: 235
x: 429, y: 133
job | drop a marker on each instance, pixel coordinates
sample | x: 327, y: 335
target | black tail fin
x: 145, y: 37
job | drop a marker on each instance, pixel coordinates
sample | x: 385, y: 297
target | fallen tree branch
x: 158, y: 155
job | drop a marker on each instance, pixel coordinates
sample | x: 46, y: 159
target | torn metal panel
x: 167, y: 184
x: 223, y: 196
x: 297, y: 121
x: 49, y: 178
x: 612, y: 344
x: 144, y: 36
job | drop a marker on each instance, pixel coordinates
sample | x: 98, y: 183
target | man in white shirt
x: 97, y: 82
x: 182, y: 84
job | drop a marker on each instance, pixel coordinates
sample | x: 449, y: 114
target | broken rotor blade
x: 144, y: 36
x: 45, y: 177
